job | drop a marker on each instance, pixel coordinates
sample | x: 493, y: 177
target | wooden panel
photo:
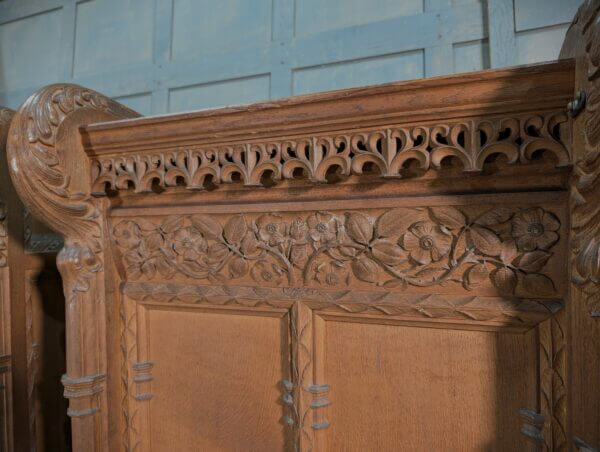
x: 228, y: 92
x: 531, y: 14
x: 471, y: 56
x: 540, y: 45
x: 403, y: 388
x: 343, y: 13
x: 214, y: 403
x: 401, y: 66
x: 141, y: 103
x: 28, y: 41
x: 205, y: 27
x: 112, y: 33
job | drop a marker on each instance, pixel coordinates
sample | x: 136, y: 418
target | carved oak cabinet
x: 410, y: 266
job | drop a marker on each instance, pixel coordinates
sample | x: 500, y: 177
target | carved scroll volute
x: 51, y: 173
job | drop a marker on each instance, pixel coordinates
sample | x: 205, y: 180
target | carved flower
x: 426, y: 242
x: 189, y: 243
x: 322, y: 226
x: 264, y: 272
x: 298, y: 229
x: 271, y: 229
x: 139, y: 262
x: 127, y: 234
x: 535, y: 228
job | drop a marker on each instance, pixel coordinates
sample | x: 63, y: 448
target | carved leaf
x: 235, y: 229
x: 365, y: 269
x: 534, y: 261
x: 388, y: 252
x: 208, y: 226
x: 249, y: 244
x: 450, y: 217
x: 347, y: 251
x: 172, y: 224
x: 495, y: 216
x: 154, y: 241
x: 461, y: 246
x: 217, y: 252
x: 504, y: 279
x: 394, y: 222
x: 486, y: 241
x: 149, y: 269
x: 359, y: 227
x: 238, y: 267
x: 508, y: 252
x: 394, y: 284
x: 476, y: 275
x: 537, y: 284
x: 146, y: 226
x: 299, y: 255
x: 165, y: 269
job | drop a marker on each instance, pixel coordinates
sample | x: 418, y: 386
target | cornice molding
x: 389, y: 149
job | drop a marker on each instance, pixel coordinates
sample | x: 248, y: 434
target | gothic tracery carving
x: 388, y: 149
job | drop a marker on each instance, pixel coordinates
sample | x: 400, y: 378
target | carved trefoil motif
x: 388, y: 149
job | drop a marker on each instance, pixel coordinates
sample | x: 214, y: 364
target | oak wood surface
x: 372, y: 269
x: 32, y: 324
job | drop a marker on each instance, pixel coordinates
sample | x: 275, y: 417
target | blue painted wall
x: 161, y: 56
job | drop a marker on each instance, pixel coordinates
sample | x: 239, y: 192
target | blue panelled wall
x: 161, y: 56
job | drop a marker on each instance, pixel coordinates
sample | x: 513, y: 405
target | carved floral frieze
x: 388, y: 149
x: 504, y: 248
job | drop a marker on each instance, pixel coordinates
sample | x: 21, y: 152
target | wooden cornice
x: 515, y: 112
x: 441, y: 99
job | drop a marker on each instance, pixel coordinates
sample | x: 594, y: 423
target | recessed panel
x: 540, y: 45
x: 209, y: 27
x: 216, y: 380
x: 405, y: 388
x: 220, y: 93
x: 367, y: 71
x: 314, y: 16
x: 30, y: 51
x: 142, y: 103
x: 531, y: 14
x: 112, y: 33
x: 471, y: 56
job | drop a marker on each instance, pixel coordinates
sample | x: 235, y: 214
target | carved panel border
x: 389, y: 149
x: 298, y: 393
x: 452, y: 309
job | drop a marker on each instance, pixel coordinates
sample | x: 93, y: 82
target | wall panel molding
x: 450, y: 36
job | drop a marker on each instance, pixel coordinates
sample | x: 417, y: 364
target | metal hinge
x: 576, y: 106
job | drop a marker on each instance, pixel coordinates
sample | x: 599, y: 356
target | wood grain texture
x: 319, y: 310
x: 582, y: 44
x: 32, y: 338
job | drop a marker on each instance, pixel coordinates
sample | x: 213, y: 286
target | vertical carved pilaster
x: 553, y: 383
x: 50, y: 171
x: 583, y: 43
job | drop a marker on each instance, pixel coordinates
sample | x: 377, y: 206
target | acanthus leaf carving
x: 585, y: 188
x: 44, y: 147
